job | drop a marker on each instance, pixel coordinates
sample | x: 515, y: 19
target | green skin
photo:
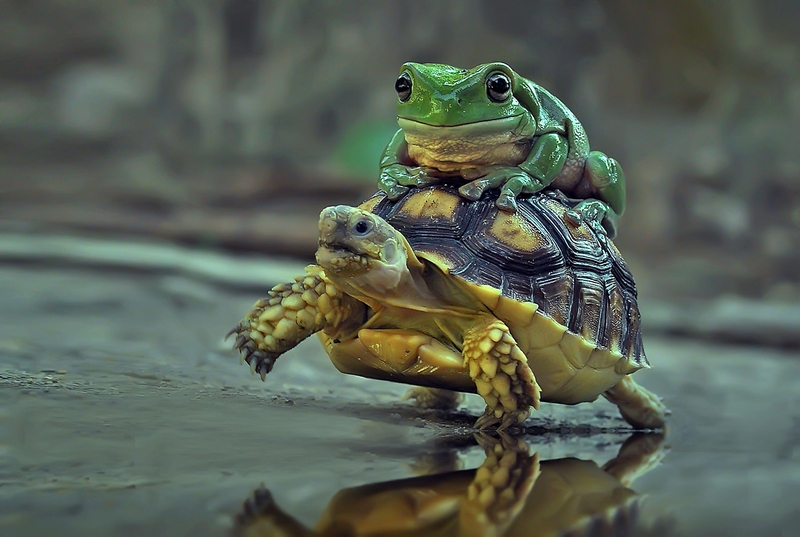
x: 453, y: 125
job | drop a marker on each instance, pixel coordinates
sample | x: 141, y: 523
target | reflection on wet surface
x: 512, y: 493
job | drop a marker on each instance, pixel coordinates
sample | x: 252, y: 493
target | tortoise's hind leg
x: 640, y: 407
x: 434, y: 398
x: 501, y: 373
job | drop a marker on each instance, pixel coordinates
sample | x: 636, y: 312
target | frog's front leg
x: 544, y: 162
x: 396, y: 177
x: 606, y: 178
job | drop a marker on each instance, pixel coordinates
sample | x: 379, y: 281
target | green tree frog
x: 494, y: 129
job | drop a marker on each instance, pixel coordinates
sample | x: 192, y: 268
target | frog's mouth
x: 509, y: 128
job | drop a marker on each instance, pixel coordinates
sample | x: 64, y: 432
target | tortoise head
x: 362, y: 252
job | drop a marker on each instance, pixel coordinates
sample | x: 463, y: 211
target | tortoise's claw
x: 486, y: 421
x: 240, y: 342
x: 235, y: 330
x: 511, y: 419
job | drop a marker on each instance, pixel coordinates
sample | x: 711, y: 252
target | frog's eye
x: 498, y: 87
x: 403, y: 87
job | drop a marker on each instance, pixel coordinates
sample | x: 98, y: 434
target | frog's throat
x: 505, y: 141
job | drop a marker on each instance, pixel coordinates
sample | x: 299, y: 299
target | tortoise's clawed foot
x: 434, y: 398
x: 501, y: 373
x: 505, y: 420
x: 259, y: 360
x: 487, y: 420
x: 638, y: 406
x: 513, y: 418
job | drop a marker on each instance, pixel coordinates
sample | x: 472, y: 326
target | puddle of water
x: 137, y: 422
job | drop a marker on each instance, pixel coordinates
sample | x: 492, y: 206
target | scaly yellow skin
x: 291, y: 313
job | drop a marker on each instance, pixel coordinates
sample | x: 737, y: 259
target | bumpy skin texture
x: 640, y: 407
x: 291, y: 313
x: 454, y: 122
x: 501, y: 374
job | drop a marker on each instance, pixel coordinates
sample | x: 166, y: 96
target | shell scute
x: 573, y: 278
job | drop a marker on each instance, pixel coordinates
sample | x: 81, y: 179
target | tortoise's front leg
x: 640, y: 407
x: 501, y: 373
x: 291, y: 313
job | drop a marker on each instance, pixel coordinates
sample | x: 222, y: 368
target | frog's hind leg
x: 501, y: 373
x: 603, y: 178
x: 640, y: 407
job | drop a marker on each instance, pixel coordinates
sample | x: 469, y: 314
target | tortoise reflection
x: 512, y: 493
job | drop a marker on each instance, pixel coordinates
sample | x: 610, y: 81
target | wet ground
x: 122, y: 412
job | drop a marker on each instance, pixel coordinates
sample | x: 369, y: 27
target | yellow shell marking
x: 431, y: 204
x: 516, y: 232
x: 370, y: 204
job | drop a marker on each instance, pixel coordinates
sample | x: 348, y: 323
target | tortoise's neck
x: 395, y: 285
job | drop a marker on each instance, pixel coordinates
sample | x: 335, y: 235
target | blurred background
x: 226, y: 125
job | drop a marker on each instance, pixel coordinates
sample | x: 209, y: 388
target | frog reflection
x: 512, y: 493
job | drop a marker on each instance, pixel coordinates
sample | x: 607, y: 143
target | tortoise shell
x: 574, y: 275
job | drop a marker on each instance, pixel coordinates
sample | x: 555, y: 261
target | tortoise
x: 453, y: 295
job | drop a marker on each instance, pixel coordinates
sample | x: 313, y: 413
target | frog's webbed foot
x: 592, y: 212
x: 512, y: 182
x: 396, y: 179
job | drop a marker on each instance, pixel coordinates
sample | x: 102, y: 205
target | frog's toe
x: 396, y: 192
x: 506, y: 202
x: 472, y: 191
x: 574, y: 217
x: 423, y: 179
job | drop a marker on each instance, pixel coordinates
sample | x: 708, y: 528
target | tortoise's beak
x: 333, y: 224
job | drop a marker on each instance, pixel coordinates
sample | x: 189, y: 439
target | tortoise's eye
x: 403, y: 87
x: 362, y: 227
x: 498, y: 87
